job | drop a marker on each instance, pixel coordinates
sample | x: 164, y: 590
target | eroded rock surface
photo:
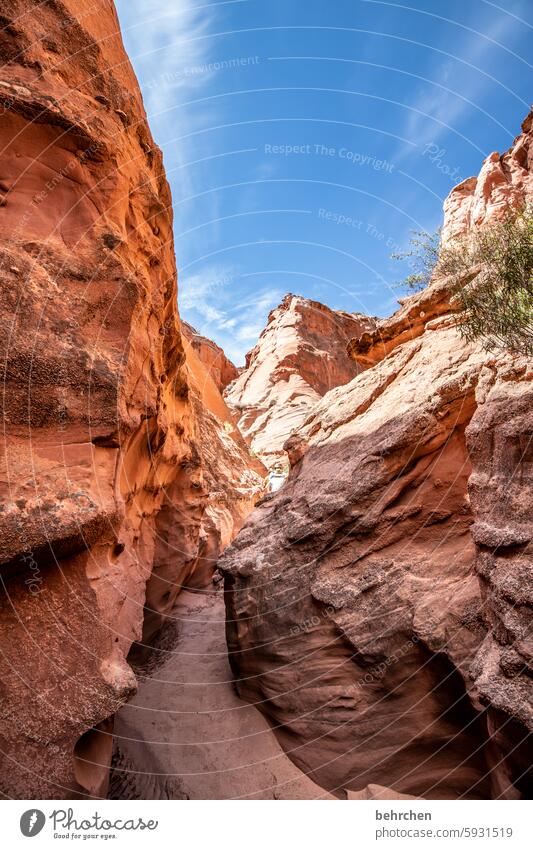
x: 379, y: 606
x: 300, y: 355
x: 108, y: 507
x: 217, y: 365
x: 95, y: 398
x: 196, y: 522
x: 500, y: 443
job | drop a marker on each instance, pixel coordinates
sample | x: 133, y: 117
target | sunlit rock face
x: 379, y: 606
x: 218, y: 366
x: 104, y: 485
x: 503, y: 183
x: 96, y: 404
x: 300, y: 355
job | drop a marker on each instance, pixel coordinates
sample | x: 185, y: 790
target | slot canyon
x: 168, y: 628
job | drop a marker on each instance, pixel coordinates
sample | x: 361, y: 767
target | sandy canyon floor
x: 186, y: 734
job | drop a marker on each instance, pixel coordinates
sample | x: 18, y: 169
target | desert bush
x: 495, y: 306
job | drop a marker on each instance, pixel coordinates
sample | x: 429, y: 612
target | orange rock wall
x: 205, y: 506
x: 221, y: 370
x: 103, y: 483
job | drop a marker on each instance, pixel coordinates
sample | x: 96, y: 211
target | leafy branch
x: 496, y: 306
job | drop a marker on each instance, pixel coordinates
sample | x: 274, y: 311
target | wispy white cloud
x: 249, y: 332
x: 208, y: 302
x: 170, y: 49
x: 166, y: 42
x: 200, y: 292
x: 169, y: 44
x: 434, y: 110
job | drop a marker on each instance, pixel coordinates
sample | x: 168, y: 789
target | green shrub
x: 422, y: 259
x: 497, y: 306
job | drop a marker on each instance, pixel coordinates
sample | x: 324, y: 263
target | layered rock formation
x: 379, y: 608
x: 300, y: 355
x: 503, y: 182
x: 233, y: 479
x: 217, y: 365
x: 102, y: 466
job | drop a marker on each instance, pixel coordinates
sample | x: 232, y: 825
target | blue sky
x: 303, y: 140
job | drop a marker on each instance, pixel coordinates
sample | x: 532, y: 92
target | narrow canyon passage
x: 186, y: 734
x: 362, y: 483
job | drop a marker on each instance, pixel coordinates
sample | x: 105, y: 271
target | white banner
x: 248, y: 824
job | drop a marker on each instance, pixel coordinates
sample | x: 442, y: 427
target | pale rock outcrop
x: 300, y: 355
x: 504, y: 182
x: 379, y: 606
